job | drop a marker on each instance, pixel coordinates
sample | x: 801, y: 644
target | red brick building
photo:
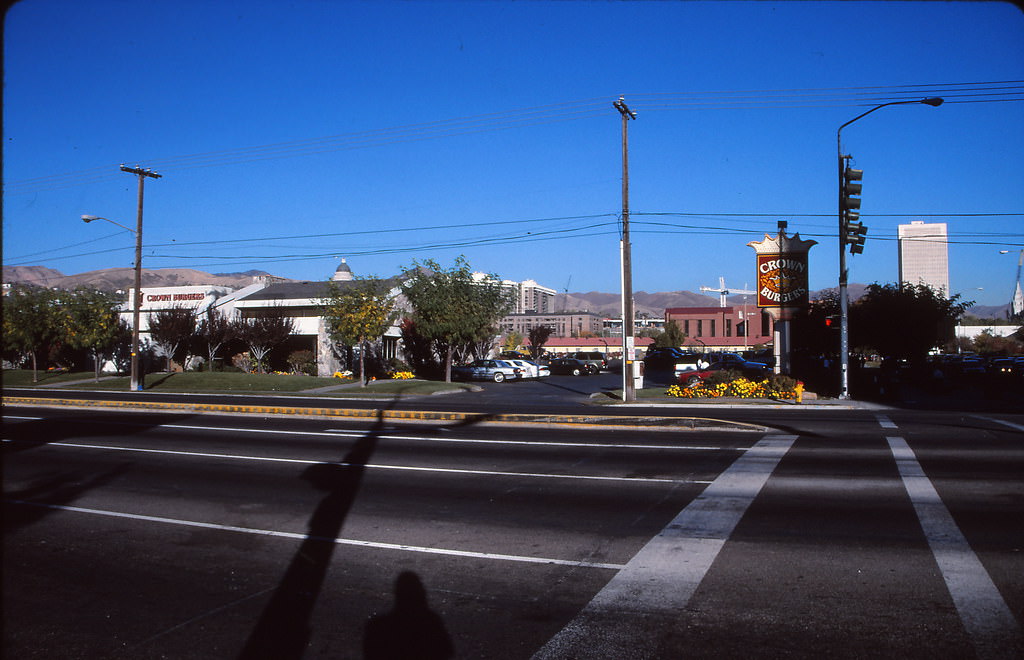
x: 730, y: 328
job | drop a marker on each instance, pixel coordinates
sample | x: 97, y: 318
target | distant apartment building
x: 527, y: 295
x: 924, y: 255
x: 562, y: 324
x: 533, y: 297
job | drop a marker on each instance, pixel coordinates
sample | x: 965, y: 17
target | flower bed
x: 742, y: 388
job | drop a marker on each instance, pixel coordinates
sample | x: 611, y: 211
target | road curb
x: 600, y: 421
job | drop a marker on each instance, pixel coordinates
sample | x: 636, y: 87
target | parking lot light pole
x: 844, y: 301
x: 134, y: 382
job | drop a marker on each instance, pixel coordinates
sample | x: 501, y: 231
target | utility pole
x: 628, y: 342
x: 136, y: 383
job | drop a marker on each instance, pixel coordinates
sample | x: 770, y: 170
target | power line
x: 967, y: 92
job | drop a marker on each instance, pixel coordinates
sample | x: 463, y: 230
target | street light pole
x: 844, y: 300
x: 135, y: 381
x: 628, y: 343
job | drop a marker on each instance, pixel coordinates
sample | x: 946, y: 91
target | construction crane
x: 724, y: 293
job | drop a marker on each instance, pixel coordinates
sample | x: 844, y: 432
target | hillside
x: 651, y: 304
x: 114, y: 279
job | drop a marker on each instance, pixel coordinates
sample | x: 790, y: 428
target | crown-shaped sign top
x: 780, y: 243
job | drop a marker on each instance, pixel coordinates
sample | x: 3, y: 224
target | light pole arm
x: 90, y: 218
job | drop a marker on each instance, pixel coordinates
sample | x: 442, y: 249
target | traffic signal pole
x: 844, y: 296
x: 844, y: 239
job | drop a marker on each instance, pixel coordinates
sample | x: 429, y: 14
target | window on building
x: 728, y: 327
x: 686, y: 327
x: 713, y: 328
x: 700, y: 327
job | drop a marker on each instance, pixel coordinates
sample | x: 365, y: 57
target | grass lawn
x: 196, y: 381
x: 23, y: 377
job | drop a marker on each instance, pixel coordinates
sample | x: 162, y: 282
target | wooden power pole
x: 628, y: 342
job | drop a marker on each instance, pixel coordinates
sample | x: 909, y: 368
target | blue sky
x: 289, y: 135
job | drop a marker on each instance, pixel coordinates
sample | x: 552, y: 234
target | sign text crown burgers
x: 782, y: 273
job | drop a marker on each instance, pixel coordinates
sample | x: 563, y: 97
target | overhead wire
x: 990, y: 91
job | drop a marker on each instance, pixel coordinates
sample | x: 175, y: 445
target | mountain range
x: 650, y: 304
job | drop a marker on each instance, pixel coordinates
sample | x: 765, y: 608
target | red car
x: 693, y: 377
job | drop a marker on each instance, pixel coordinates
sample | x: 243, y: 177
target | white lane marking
x: 375, y: 466
x: 985, y: 615
x: 1001, y: 421
x: 339, y: 541
x: 660, y: 580
x: 31, y: 419
x: 885, y: 422
x: 346, y: 433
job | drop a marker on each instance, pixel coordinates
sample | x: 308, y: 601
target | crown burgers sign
x: 781, y: 273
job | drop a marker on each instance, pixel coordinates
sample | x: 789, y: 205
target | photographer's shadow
x: 410, y: 630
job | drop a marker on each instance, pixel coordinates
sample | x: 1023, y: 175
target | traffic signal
x: 851, y: 188
x: 854, y: 232
x: 855, y: 236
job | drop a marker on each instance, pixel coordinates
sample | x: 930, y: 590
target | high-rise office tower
x: 924, y: 255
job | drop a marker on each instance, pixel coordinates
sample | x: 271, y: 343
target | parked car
x: 531, y: 369
x: 690, y: 378
x: 571, y: 366
x: 497, y: 370
x: 672, y: 359
x: 595, y: 358
x: 735, y: 361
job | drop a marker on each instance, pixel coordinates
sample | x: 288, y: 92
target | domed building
x: 343, y: 272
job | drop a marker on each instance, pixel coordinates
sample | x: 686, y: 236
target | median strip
x: 649, y: 423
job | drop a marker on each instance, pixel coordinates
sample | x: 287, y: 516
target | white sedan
x: 531, y: 369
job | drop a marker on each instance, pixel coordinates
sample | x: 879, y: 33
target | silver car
x: 497, y: 370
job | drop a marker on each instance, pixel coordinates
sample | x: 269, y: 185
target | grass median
x: 230, y: 382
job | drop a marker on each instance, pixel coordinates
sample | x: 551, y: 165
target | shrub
x: 302, y: 362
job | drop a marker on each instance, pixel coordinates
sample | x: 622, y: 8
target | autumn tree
x: 512, y: 342
x: 263, y: 332
x: 30, y: 323
x: 538, y: 336
x: 91, y: 322
x: 171, y: 330
x: 214, y: 331
x: 357, y: 312
x: 454, y: 309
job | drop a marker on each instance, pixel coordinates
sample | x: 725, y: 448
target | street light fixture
x: 135, y: 382
x: 844, y: 328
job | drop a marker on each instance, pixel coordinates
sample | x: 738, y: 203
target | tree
x: 356, y: 312
x: 171, y: 330
x: 512, y: 342
x: 30, y: 322
x: 90, y: 321
x: 904, y: 321
x: 454, y: 309
x: 214, y: 331
x: 671, y: 337
x: 263, y: 332
x: 538, y: 336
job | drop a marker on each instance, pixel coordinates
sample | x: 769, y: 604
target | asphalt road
x: 835, y: 533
